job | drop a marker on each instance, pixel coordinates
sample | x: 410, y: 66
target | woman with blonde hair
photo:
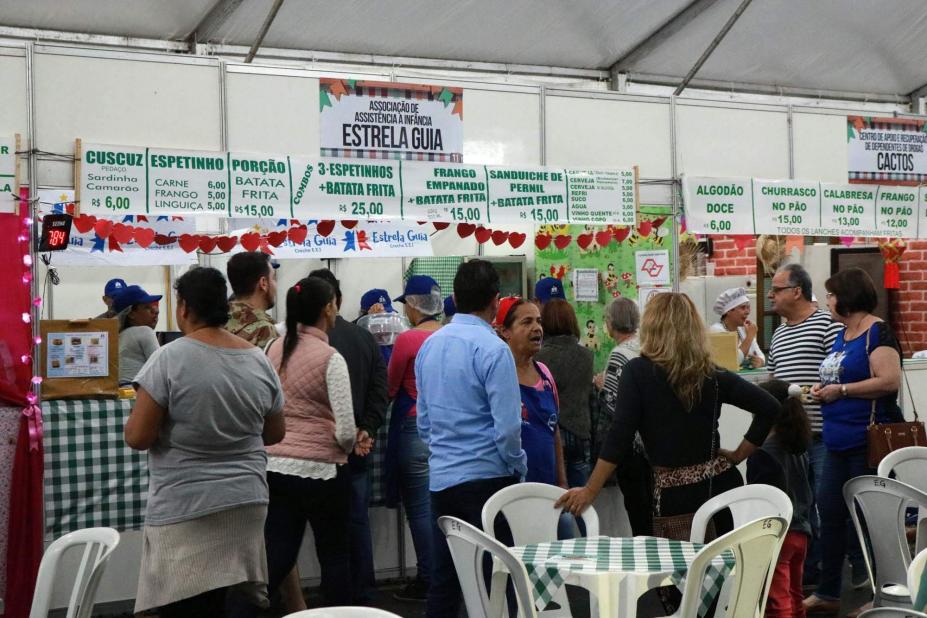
x: 672, y: 395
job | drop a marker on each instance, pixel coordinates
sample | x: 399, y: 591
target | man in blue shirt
x: 469, y: 415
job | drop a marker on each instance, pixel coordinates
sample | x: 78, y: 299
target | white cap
x: 729, y: 299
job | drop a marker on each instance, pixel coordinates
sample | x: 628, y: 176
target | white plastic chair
x: 529, y: 510
x: 910, y: 466
x: 915, y: 577
x: 99, y: 544
x: 747, y: 503
x: 343, y: 612
x: 882, y: 502
x: 755, y: 546
x: 891, y: 612
x: 468, y: 545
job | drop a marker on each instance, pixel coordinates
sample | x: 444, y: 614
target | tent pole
x: 264, y: 28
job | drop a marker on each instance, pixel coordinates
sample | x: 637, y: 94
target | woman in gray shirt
x: 137, y: 312
x: 207, y: 404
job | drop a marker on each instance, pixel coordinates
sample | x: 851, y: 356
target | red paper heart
x: 144, y: 236
x: 440, y: 225
x: 499, y: 237
x: 189, y: 243
x: 620, y: 233
x: 208, y: 243
x: 542, y: 241
x: 324, y: 228
x: 227, y: 243
x: 103, y: 228
x: 298, y: 234
x: 275, y: 239
x: 645, y: 228
x: 163, y: 239
x: 250, y: 241
x: 482, y: 234
x: 465, y: 229
x: 742, y: 241
x: 603, y: 238
x: 658, y: 222
x: 122, y: 233
x: 517, y: 239
x: 584, y: 240
x: 84, y: 223
x: 349, y: 224
x: 562, y: 241
x: 421, y: 222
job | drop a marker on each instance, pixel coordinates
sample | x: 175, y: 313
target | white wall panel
x: 724, y: 141
x: 820, y: 143
x: 501, y: 128
x: 607, y: 133
x: 273, y: 114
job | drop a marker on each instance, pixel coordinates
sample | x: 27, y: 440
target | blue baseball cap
x: 113, y: 287
x: 548, y: 288
x: 133, y: 295
x: 450, y: 307
x: 419, y: 285
x: 374, y: 296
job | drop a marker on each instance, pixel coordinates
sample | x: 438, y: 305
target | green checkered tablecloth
x: 441, y: 269
x: 91, y: 477
x: 549, y: 564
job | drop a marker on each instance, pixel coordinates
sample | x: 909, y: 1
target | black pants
x: 687, y: 498
x: 464, y: 501
x: 326, y: 506
x: 210, y: 604
x: 635, y: 478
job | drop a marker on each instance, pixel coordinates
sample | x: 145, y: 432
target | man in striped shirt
x: 798, y: 347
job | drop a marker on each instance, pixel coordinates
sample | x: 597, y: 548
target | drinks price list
x: 123, y: 180
x: 804, y: 208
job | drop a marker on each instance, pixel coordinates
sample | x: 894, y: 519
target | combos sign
x: 886, y: 151
x: 385, y: 120
x: 366, y: 239
x: 119, y: 180
x: 794, y: 207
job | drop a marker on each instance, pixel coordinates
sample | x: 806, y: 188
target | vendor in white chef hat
x: 733, y: 306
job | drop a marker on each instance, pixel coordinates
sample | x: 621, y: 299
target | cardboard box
x: 80, y: 359
x: 724, y: 350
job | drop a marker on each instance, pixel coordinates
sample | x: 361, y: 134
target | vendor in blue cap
x: 137, y: 312
x: 113, y: 287
x: 547, y: 289
x: 450, y: 308
x: 407, y: 471
x: 375, y: 301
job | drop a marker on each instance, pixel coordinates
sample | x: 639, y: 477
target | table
x: 618, y: 570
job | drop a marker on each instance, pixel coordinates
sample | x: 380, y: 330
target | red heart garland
x: 275, y: 239
x: 114, y: 245
x: 562, y: 241
x: 250, y: 241
x: 542, y: 241
x: 208, y: 243
x: 122, y: 233
x: 298, y: 234
x: 162, y: 239
x: 499, y: 237
x: 144, y: 236
x: 324, y: 228
x: 465, y: 229
x: 227, y: 243
x: 349, y: 224
x: 103, y: 228
x: 440, y: 225
x: 421, y: 222
x: 517, y: 239
x: 742, y: 241
x: 482, y: 234
x: 603, y: 238
x: 189, y: 243
x: 84, y: 223
x: 584, y: 240
x: 620, y: 233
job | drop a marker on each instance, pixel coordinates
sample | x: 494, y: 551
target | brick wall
x: 909, y: 302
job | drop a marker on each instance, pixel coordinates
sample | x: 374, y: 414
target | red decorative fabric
x: 25, y: 526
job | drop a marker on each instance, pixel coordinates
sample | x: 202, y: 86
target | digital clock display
x: 56, y: 232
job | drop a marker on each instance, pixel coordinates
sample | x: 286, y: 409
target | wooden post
x: 168, y: 298
x: 77, y: 156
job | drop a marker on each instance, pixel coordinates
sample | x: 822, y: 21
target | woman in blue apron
x: 519, y: 323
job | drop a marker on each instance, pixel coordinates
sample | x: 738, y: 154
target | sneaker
x: 416, y: 590
x: 817, y: 605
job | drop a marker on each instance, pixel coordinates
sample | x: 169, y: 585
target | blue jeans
x: 816, y: 455
x: 839, y: 467
x: 363, y: 580
x: 413, y: 483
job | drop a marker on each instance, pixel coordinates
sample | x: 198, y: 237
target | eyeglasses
x: 776, y: 289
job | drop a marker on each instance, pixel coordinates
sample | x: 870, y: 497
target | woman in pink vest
x: 306, y: 472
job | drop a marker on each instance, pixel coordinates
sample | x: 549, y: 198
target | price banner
x: 117, y: 180
x: 795, y: 207
x: 718, y: 205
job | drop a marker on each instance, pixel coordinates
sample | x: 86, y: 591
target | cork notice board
x: 80, y: 358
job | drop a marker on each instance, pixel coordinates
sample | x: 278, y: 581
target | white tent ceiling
x: 849, y: 46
